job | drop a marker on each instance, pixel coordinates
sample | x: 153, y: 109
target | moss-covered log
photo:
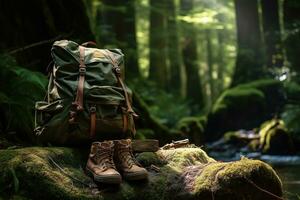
x: 184, y: 173
x: 245, y: 107
x: 275, y: 138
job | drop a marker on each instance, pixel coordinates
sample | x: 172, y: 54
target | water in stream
x: 290, y: 176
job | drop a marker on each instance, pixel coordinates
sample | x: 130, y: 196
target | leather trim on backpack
x: 78, y: 103
x: 93, y: 121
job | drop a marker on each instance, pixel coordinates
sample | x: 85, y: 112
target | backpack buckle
x: 117, y: 70
x: 92, y: 109
x: 82, y: 70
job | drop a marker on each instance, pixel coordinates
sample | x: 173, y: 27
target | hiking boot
x: 126, y: 163
x: 100, y: 164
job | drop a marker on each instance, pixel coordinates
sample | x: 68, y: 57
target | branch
x: 38, y: 43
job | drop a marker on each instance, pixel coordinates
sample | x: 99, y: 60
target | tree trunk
x: 158, y: 44
x: 189, y: 52
x: 28, y: 22
x: 117, y: 29
x: 209, y: 61
x: 272, y: 33
x: 220, y: 60
x: 291, y: 26
x: 173, y: 48
x: 221, y: 33
x: 249, y: 63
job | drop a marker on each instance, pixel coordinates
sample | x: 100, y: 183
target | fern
x: 19, y: 89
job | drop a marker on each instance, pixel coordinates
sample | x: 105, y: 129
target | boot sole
x: 135, y: 176
x: 104, y: 179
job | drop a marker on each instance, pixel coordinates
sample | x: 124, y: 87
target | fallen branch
x: 38, y: 43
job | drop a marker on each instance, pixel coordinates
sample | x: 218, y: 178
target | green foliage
x: 291, y: 111
x: 166, y: 107
x: 142, y: 134
x: 291, y: 116
x: 19, y: 89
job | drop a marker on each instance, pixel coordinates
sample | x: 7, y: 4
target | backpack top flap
x: 66, y: 57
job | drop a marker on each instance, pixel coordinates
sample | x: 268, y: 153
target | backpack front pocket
x: 44, y: 111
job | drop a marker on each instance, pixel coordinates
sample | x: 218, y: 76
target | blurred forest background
x: 207, y: 70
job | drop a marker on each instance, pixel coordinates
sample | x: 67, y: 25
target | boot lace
x: 105, y: 158
x: 127, y: 156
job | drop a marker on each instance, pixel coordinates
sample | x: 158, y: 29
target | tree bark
x: 221, y: 37
x: 173, y: 49
x: 220, y: 60
x: 249, y: 62
x: 158, y: 45
x: 209, y: 61
x: 272, y: 33
x: 117, y: 29
x: 189, y: 53
x: 291, y: 26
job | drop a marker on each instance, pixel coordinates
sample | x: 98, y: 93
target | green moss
x: 142, y: 134
x: 184, y: 173
x: 235, y: 109
x: 183, y: 157
x: 148, y: 158
x: 254, y: 145
x: 274, y: 138
x: 35, y: 172
x: 231, y: 136
x: 224, y: 179
x: 245, y: 107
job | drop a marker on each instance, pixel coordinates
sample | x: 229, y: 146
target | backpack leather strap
x: 117, y: 71
x: 78, y: 103
x: 93, y: 121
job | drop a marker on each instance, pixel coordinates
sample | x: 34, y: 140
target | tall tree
x: 220, y: 55
x: 209, y: 61
x: 249, y: 62
x: 272, y: 33
x: 173, y: 48
x: 292, y: 26
x: 189, y: 53
x: 158, y: 43
x: 117, y: 29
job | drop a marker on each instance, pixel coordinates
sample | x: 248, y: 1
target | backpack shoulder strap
x: 117, y: 72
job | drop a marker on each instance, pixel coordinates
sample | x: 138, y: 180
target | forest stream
x: 290, y: 176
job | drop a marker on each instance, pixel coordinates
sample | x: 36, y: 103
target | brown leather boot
x: 100, y: 164
x: 126, y: 163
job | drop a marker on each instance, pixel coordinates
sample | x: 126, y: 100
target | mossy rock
x: 193, y: 128
x: 184, y: 173
x: 244, y: 107
x: 275, y: 139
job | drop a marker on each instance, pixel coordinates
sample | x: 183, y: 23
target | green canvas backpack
x: 86, y: 98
